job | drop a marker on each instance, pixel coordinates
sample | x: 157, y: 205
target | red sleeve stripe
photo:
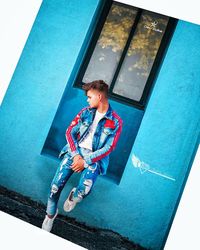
x: 119, y: 130
x: 114, y: 141
x: 70, y: 140
x: 68, y: 132
x: 101, y: 156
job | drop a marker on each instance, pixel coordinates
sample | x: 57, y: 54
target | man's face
x: 94, y: 98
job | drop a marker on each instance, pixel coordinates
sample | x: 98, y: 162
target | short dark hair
x: 99, y: 85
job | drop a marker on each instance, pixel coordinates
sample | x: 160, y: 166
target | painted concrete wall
x: 35, y: 91
x: 142, y: 205
x: 167, y: 138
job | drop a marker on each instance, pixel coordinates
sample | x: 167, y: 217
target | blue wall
x: 142, y: 205
x: 35, y: 91
x: 167, y: 138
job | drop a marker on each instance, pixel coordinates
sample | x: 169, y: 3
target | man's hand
x: 78, y: 163
x: 76, y: 158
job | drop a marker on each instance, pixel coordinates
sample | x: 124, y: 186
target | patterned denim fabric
x: 105, y: 137
x: 63, y: 173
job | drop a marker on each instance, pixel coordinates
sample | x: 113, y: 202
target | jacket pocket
x: 106, y: 132
x: 84, y: 126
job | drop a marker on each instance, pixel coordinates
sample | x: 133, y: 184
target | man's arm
x: 107, y: 149
x: 80, y: 163
x: 71, y: 133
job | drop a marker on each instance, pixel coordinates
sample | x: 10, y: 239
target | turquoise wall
x: 167, y: 139
x: 142, y: 205
x: 35, y: 91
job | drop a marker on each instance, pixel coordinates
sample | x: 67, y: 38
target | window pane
x: 140, y: 56
x: 111, y: 43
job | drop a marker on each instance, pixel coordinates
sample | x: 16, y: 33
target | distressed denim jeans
x: 63, y: 173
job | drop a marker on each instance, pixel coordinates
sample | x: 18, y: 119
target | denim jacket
x: 104, y: 140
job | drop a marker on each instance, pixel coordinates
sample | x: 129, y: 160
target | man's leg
x: 62, y: 175
x: 87, y: 180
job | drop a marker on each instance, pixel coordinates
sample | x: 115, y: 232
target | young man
x: 91, y: 137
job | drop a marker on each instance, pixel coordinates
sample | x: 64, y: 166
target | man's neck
x: 103, y: 107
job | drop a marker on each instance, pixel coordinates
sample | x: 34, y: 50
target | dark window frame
x: 165, y: 41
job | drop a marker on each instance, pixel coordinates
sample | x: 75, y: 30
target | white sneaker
x: 48, y: 222
x: 70, y: 203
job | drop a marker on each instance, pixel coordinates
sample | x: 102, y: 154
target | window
x: 126, y: 52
